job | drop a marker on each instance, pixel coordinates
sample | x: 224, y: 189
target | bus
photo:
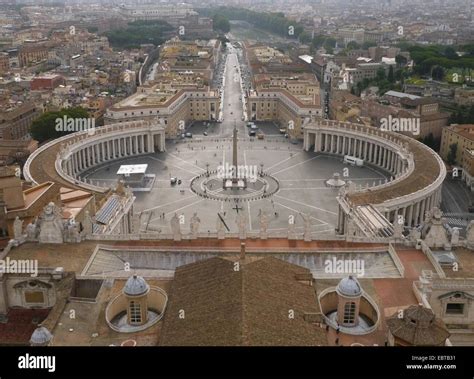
x: 353, y: 160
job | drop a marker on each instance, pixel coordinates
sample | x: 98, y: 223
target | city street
x: 456, y: 199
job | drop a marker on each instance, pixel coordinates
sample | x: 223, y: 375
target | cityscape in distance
x: 237, y: 173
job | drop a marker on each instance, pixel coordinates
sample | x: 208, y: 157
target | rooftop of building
x: 47, y: 76
x: 20, y: 325
x: 464, y: 130
x: 90, y: 328
x: 160, y: 97
x: 426, y: 171
x: 12, y: 110
x: 401, y: 95
x: 30, y: 195
x: 308, y: 101
x: 247, y: 307
x: 418, y: 327
x: 287, y: 77
x: 465, y: 267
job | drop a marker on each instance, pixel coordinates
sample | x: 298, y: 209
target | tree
x: 368, y: 44
x: 275, y: 22
x: 221, y: 23
x: 305, y: 38
x: 452, y: 154
x: 437, y: 73
x: 353, y: 45
x: 44, y: 127
x: 462, y: 115
x: 139, y: 32
x: 380, y: 74
x: 391, y: 77
x: 431, y: 141
x: 450, y: 53
x: 330, y: 42
x: 400, y: 60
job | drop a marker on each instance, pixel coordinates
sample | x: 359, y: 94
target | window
x: 135, y: 313
x: 454, y: 308
x: 349, y: 313
x: 34, y: 297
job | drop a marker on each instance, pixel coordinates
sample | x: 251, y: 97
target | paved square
x: 301, y: 177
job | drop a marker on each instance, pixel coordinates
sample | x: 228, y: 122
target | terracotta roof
x: 21, y: 325
x: 419, y: 101
x: 464, y: 130
x: 418, y: 327
x: 249, y: 307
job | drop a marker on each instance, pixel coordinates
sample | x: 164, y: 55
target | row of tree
x: 274, y: 22
x: 462, y: 115
x: 139, y: 32
x: 436, y: 59
x: 44, y: 128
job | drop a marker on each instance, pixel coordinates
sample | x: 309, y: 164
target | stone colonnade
x: 105, y: 147
x: 385, y: 152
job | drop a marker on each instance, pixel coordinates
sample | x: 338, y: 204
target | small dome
x: 41, y: 336
x: 349, y: 287
x: 135, y: 286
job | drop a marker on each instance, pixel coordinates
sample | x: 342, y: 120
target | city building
x: 464, y: 96
x: 283, y: 90
x: 463, y: 137
x: 175, y: 108
x: 47, y: 82
x: 15, y: 122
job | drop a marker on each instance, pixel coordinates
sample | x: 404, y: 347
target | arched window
x: 349, y: 312
x: 135, y: 313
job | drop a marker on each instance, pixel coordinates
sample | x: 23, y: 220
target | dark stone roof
x: 418, y: 327
x: 249, y: 307
x: 20, y: 325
